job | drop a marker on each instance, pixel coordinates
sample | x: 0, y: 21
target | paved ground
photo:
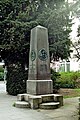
x: 8, y: 112
x: 2, y: 87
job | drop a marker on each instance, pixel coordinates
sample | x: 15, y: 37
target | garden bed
x: 69, y: 92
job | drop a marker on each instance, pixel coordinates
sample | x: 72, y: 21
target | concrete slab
x: 2, y: 86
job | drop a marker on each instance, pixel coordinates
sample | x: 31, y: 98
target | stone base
x: 49, y: 105
x: 51, y: 101
x: 21, y: 104
x: 39, y: 87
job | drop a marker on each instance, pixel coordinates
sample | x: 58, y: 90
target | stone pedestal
x: 39, y: 79
x: 39, y: 87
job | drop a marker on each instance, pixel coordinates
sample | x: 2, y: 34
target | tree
x: 17, y: 19
x: 14, y: 43
x: 25, y: 15
x: 56, y: 19
x: 75, y: 12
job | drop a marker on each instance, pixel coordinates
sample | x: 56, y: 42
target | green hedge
x: 1, y: 76
x: 16, y: 80
x: 54, y: 77
x: 1, y: 69
x: 68, y: 80
x: 1, y: 73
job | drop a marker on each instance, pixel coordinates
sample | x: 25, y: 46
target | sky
x: 70, y: 1
x: 73, y: 34
x: 76, y: 22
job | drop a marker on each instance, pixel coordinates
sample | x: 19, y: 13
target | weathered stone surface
x: 21, y: 104
x: 26, y: 97
x: 49, y: 105
x: 39, y: 81
x: 47, y: 98
x: 39, y: 87
x: 58, y: 98
x: 34, y: 101
x: 39, y: 54
x: 20, y: 97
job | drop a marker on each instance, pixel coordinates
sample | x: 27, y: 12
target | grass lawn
x: 68, y: 93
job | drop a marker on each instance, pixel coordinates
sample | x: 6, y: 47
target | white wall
x: 74, y: 65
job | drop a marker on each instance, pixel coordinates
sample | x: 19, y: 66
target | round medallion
x: 43, y: 55
x: 33, y: 55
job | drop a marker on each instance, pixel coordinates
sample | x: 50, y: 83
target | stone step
x: 49, y: 105
x: 21, y: 104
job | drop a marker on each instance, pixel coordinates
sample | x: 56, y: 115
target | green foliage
x: 16, y: 79
x: 1, y: 73
x: 19, y: 17
x: 1, y: 69
x: 59, y: 26
x: 54, y: 77
x: 13, y: 105
x: 17, y: 20
x: 68, y: 79
x: 1, y: 76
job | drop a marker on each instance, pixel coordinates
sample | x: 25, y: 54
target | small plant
x: 1, y: 76
x: 13, y: 105
x: 1, y: 73
x: 68, y: 79
x: 54, y: 77
x: 1, y: 69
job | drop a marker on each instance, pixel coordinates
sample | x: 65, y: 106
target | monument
x: 39, y: 83
x: 39, y: 79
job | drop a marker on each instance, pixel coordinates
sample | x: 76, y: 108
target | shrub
x: 1, y: 76
x: 54, y: 77
x: 68, y: 79
x: 16, y: 80
x: 1, y: 73
x: 1, y: 69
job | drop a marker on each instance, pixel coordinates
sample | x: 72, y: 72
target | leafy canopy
x: 19, y: 17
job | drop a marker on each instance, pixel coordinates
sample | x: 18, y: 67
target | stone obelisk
x: 39, y: 80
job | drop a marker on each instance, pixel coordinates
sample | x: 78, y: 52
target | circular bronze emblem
x: 43, y: 55
x: 33, y: 55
